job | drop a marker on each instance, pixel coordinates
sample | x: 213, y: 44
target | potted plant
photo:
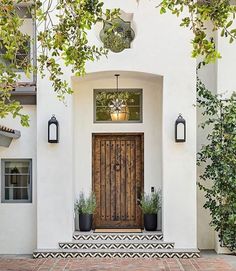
x: 150, y: 204
x: 85, y: 207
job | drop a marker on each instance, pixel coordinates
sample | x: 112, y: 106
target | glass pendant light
x: 118, y: 107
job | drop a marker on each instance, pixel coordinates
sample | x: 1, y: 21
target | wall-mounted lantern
x: 180, y: 129
x: 53, y: 130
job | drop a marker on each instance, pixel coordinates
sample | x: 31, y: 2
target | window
x: 17, y: 180
x: 113, y: 106
x: 22, y: 56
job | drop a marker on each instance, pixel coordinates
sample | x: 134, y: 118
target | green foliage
x: 67, y: 39
x: 11, y: 41
x: 117, y: 43
x: 218, y: 157
x: 86, y: 205
x: 62, y: 33
x: 117, y: 35
x: 104, y: 98
x: 150, y: 203
x: 62, y: 30
x: 219, y: 12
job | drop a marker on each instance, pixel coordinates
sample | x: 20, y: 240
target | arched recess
x: 84, y: 126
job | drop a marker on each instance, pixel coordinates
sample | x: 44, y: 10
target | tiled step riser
x: 118, y: 237
x: 116, y: 246
x: 116, y: 255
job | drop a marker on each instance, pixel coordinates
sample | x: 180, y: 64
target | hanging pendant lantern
x: 118, y: 108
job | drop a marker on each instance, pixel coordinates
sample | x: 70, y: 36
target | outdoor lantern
x: 119, y: 111
x: 180, y: 129
x: 120, y: 115
x: 53, y: 130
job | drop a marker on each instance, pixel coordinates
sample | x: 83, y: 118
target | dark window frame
x: 95, y: 91
x: 3, y: 183
x: 27, y: 55
x: 31, y: 53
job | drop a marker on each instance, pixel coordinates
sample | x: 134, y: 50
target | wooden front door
x: 117, y: 180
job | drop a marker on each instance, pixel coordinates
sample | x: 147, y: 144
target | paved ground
x: 209, y: 262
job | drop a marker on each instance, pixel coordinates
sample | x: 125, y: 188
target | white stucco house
x: 37, y: 211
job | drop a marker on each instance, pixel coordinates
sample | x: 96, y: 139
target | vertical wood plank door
x: 118, y: 180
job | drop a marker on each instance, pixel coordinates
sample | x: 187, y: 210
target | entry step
x: 154, y: 235
x: 118, y: 244
x: 114, y: 253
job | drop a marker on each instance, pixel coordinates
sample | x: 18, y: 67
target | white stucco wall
x: 18, y: 220
x: 154, y: 50
x: 54, y: 170
x: 206, y: 237
x: 162, y: 48
x: 55, y: 190
x: 208, y: 75
x: 226, y: 80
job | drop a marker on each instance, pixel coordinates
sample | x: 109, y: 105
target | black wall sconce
x: 53, y: 130
x: 180, y: 129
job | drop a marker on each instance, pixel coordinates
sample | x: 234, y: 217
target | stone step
x: 118, y: 244
x: 114, y: 253
x: 156, y: 235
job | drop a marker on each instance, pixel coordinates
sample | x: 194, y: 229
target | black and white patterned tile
x: 118, y: 254
x: 120, y: 236
x: 117, y: 245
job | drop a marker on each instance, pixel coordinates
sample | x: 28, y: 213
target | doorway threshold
x: 117, y: 230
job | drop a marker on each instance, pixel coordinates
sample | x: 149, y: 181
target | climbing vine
x: 218, y: 157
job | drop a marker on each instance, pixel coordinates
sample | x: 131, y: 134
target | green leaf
x: 229, y: 24
x: 162, y: 10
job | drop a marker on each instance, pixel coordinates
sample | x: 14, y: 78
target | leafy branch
x: 62, y: 39
x: 220, y: 13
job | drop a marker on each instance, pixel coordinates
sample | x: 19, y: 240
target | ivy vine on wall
x: 218, y: 157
